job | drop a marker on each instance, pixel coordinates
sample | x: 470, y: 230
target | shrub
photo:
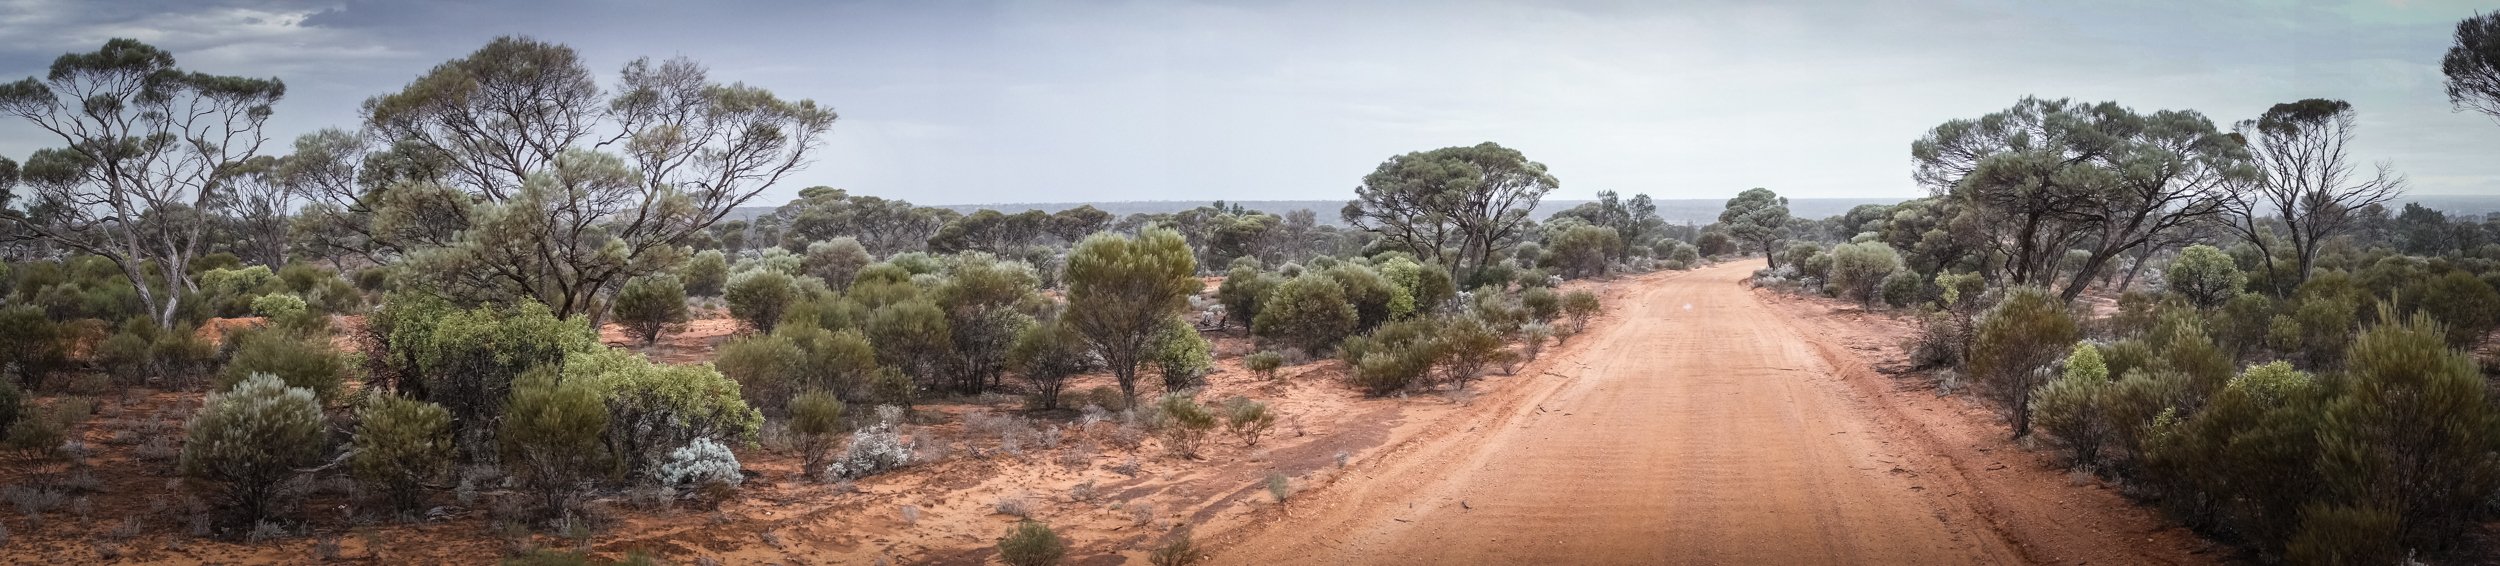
x: 836, y: 261
x: 874, y: 450
x: 2337, y: 534
x: 1582, y: 250
x: 815, y: 419
x: 1185, y: 424
x: 1581, y: 306
x: 702, y: 462
x: 41, y: 432
x: 840, y: 362
x: 1860, y: 270
x: 38, y: 347
x: 1244, y: 290
x: 1497, y: 308
x: 300, y: 360
x: 1247, y: 420
x: 1542, y: 303
x: 1047, y: 355
x: 1392, y: 358
x: 650, y: 305
x: 706, y: 274
x: 1375, y: 299
x: 2205, y: 276
x: 1532, y: 339
x: 759, y: 298
x: 1124, y: 290
x: 1182, y: 356
x: 1031, y: 543
x: 12, y: 404
x: 1308, y: 312
x: 1466, y: 347
x: 912, y: 335
x: 651, y: 407
x: 400, y: 446
x: 1428, y: 284
x: 2243, y: 325
x: 550, y: 436
x: 768, y: 368
x: 1901, y: 288
x: 249, y: 440
x: 2250, y: 455
x: 2069, y: 407
x: 1177, y: 550
x: 2023, y: 333
x: 466, y: 360
x: 278, y: 306
x: 2469, y: 308
x: 1264, y: 363
x: 2412, y: 434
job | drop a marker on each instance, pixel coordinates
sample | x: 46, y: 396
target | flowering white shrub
x: 700, y: 462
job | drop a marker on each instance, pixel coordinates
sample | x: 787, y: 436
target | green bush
x: 1428, y: 285
x: 1047, y: 354
x: 912, y: 336
x: 1581, y: 306
x: 2069, y: 407
x: 466, y: 360
x: 1860, y: 269
x: 1244, y: 291
x: 1375, y: 299
x: 1031, y: 544
x: 1185, y: 424
x: 12, y: 404
x: 278, y: 306
x: 300, y: 360
x: 550, y: 437
x: 837, y: 362
x: 1247, y: 420
x: 652, y: 408
x: 836, y: 261
x: 2244, y: 323
x: 2023, y: 333
x: 768, y: 368
x: 401, y: 446
x: 40, y: 431
x: 249, y: 440
x: 1182, y: 356
x: 2413, y: 433
x: 1392, y: 358
x: 816, y: 425
x: 2246, y: 463
x: 1308, y: 312
x: 2469, y: 308
x: 1901, y: 288
x: 759, y: 298
x: 650, y: 305
x: 1466, y: 346
x: 1264, y: 363
x: 706, y: 274
x: 1542, y: 303
x: 2335, y: 534
x: 2205, y: 276
x: 38, y: 347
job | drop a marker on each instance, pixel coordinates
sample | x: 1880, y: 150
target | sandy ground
x: 1702, y: 425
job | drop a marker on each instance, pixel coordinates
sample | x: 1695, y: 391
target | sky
x: 968, y: 102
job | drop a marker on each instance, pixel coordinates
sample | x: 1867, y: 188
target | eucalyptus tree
x: 148, y: 154
x: 885, y: 226
x: 1456, y: 205
x: 2472, y: 65
x: 1123, y: 291
x: 2308, y: 185
x: 1758, y: 217
x: 537, y: 183
x: 2056, y: 175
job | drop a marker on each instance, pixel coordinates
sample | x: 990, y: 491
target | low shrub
x: 815, y: 421
x: 2015, y: 340
x: 1465, y: 346
x: 652, y: 408
x: 1542, y: 303
x: 1047, y: 354
x: 250, y: 439
x: 2069, y: 407
x: 1182, y: 356
x: 401, y: 445
x: 1581, y: 306
x: 1185, y: 424
x: 1308, y: 312
x: 873, y: 450
x: 706, y: 274
x: 702, y: 464
x: 1264, y: 363
x: 550, y: 437
x: 298, y: 359
x: 1247, y: 420
x: 651, y: 305
x: 1031, y: 543
x: 758, y: 299
x: 1901, y: 288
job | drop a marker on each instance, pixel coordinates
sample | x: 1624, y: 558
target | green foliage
x: 40, y: 431
x: 706, y: 275
x: 759, y: 298
x: 1429, y: 285
x: 1758, y: 218
x: 1466, y: 346
x: 1245, y: 291
x: 12, y: 404
x: 2023, y: 333
x: 836, y: 261
x: 653, y: 408
x: 984, y: 301
x: 250, y: 439
x: 2413, y: 433
x: 38, y: 347
x: 1047, y: 355
x: 1308, y: 312
x: 1583, y: 250
x: 1031, y: 543
x: 466, y: 360
x: 2069, y: 407
x: 298, y: 359
x: 1861, y: 269
x: 1542, y: 303
x: 1901, y: 288
x: 1123, y: 290
x: 1185, y: 424
x: 2206, y: 276
x: 278, y: 306
x: 2467, y: 306
x: 1182, y: 356
x: 912, y: 336
x: 1375, y: 299
x: 651, y: 304
x: 550, y: 436
x: 1264, y: 363
x: 768, y: 368
x: 401, y: 446
x: 1581, y: 306
x: 1247, y: 420
x: 1392, y: 358
x: 816, y: 424
x: 2244, y: 323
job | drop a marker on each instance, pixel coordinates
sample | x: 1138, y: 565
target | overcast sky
x: 955, y: 102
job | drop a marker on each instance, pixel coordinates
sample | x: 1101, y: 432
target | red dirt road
x: 1696, y: 427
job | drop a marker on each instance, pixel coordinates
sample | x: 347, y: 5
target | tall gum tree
x: 2308, y: 187
x: 1455, y: 205
x: 149, y: 153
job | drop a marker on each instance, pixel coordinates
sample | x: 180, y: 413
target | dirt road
x: 1696, y: 427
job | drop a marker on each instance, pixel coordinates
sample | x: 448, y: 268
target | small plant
x: 1031, y: 543
x: 401, y: 445
x: 1013, y: 505
x: 1247, y: 420
x: 250, y: 440
x: 815, y: 422
x: 872, y: 451
x: 1279, y: 486
x: 1177, y: 550
x: 702, y: 462
x: 1580, y: 306
x: 1185, y: 424
x: 1264, y: 363
x: 651, y: 305
x: 1083, y: 492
